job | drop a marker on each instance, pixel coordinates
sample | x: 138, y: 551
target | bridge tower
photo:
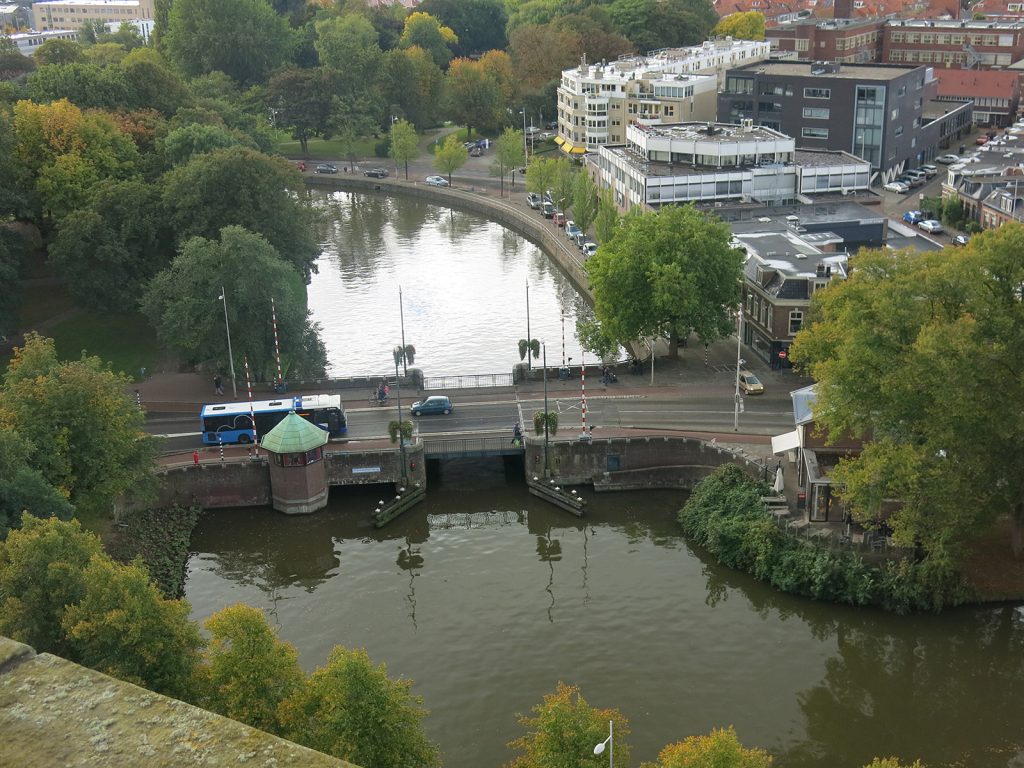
x: 298, y: 474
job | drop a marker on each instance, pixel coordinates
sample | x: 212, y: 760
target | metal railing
x: 469, y: 381
x: 456, y: 448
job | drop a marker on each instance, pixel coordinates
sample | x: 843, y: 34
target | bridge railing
x: 468, y: 381
x: 470, y: 446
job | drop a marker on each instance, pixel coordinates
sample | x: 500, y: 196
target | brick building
x: 995, y: 93
x: 842, y: 40
x: 953, y: 43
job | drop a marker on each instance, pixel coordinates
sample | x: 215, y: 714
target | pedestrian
x: 218, y: 385
x: 517, y: 434
x: 195, y: 458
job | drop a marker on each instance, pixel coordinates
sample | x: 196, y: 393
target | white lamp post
x: 231, y: 359
x: 610, y: 743
x: 739, y: 363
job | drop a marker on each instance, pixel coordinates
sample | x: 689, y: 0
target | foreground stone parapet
x: 56, y: 713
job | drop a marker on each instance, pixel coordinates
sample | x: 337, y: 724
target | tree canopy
x: 721, y: 747
x: 915, y: 354
x: 745, y: 25
x: 450, y: 156
x: 668, y: 272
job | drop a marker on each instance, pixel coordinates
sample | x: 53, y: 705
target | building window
x: 817, y: 113
x: 796, y: 320
x: 817, y: 93
x: 814, y: 133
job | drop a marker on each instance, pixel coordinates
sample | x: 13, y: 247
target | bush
x: 724, y: 515
x: 382, y: 148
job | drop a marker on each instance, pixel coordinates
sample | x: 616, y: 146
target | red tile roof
x: 990, y: 84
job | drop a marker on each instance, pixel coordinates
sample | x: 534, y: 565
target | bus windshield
x: 227, y: 423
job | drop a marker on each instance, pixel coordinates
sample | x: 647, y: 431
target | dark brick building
x: 843, y: 40
x: 953, y: 43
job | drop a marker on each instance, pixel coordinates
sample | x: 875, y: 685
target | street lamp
x: 231, y: 358
x: 544, y: 361
x: 529, y: 338
x: 401, y: 437
x: 739, y: 362
x: 610, y: 743
x: 526, y: 155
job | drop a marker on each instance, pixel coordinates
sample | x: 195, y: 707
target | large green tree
x: 426, y: 32
x: 412, y: 85
x: 607, y: 220
x: 480, y: 23
x: 404, y: 144
x: 450, y: 156
x: 243, y: 187
x: 508, y: 155
x: 23, y: 488
x: 584, y: 201
x: 182, y: 304
x: 654, y: 24
x: 744, y: 25
x: 351, y: 709
x: 85, y: 85
x: 303, y: 100
x: 915, y: 353
x: 247, y: 672
x: 86, y: 432
x: 541, y: 51
x: 668, y: 273
x: 563, y: 731
x: 474, y: 96
x: 721, y: 747
x: 245, y: 39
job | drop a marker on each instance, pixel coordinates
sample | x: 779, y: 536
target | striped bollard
x: 252, y: 411
x: 584, y: 435
x: 220, y: 442
x: 277, y: 348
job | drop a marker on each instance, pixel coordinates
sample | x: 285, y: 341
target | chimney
x: 843, y: 9
x: 828, y: 270
x: 820, y: 270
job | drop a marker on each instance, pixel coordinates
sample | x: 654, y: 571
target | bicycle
x: 375, y: 400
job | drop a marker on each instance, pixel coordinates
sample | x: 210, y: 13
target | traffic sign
x: 782, y: 354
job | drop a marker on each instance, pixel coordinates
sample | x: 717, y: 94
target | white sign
x: 365, y: 470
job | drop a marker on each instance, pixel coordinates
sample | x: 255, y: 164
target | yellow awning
x: 559, y: 140
x: 578, y: 151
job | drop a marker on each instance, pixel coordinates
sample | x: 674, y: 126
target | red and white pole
x: 277, y: 348
x: 252, y: 410
x: 584, y: 435
x: 563, y: 338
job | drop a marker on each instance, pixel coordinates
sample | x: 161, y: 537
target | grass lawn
x: 125, y: 341
x: 42, y: 302
x: 321, y: 149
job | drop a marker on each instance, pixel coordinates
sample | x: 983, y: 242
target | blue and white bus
x: 232, y: 422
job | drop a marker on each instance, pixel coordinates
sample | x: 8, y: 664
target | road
x: 705, y: 407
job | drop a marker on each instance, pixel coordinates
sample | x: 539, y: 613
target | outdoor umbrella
x: 779, y: 482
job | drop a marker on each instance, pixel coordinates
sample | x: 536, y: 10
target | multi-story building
x: 884, y: 113
x: 843, y: 40
x: 995, y: 93
x: 596, y: 102
x: 30, y: 42
x: 9, y: 17
x: 72, y: 14
x: 953, y: 43
x: 717, y: 163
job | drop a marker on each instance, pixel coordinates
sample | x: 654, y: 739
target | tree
x: 426, y: 32
x: 654, y: 24
x: 302, y: 100
x: 405, y: 355
x: 912, y: 353
x: 473, y: 96
x: 563, y: 184
x: 403, y: 427
x: 508, y: 153
x: 450, y: 156
x: 178, y: 303
x: 23, y: 489
x: 892, y: 762
x: 347, y: 45
x: 179, y: 146
x: 349, y: 708
x: 413, y: 85
x: 667, y: 273
x: 528, y: 347
x: 720, y: 748
x: 87, y: 437
x: 41, y: 573
x: 58, y: 51
x: 745, y: 25
x: 481, y: 23
x: 584, y: 201
x: 404, y: 144
x: 240, y: 186
x: 607, y: 220
x: 246, y: 670
x: 542, y: 172
x: 540, y: 53
x: 13, y: 63
x: 124, y: 627
x: 498, y: 67
x: 597, y: 33
x: 152, y: 84
x: 564, y: 730
x: 245, y: 39
x: 550, y: 418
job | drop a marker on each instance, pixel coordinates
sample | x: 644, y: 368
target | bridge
x: 471, y: 447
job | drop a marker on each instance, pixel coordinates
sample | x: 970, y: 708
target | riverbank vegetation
x: 160, y: 538
x: 725, y: 516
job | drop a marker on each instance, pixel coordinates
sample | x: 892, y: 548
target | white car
x: 437, y: 181
x: 930, y: 226
x: 589, y: 249
x: 929, y: 170
x: 896, y: 186
x: 947, y: 159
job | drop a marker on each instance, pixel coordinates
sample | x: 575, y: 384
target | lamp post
x: 227, y: 328
x: 401, y: 437
x: 547, y: 462
x: 738, y: 403
x: 610, y: 743
x: 526, y: 155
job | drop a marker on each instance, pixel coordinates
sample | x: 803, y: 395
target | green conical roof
x: 293, y: 435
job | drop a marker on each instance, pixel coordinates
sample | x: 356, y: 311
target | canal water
x: 463, y: 281
x: 486, y: 598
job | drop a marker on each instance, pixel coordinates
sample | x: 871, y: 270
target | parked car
x: 533, y: 200
x: 750, y: 384
x: 589, y: 249
x: 326, y: 168
x: 548, y: 209
x: 476, y: 152
x: 912, y: 217
x: 437, y: 181
x: 552, y: 125
x: 433, y: 404
x: 558, y: 219
x: 929, y: 170
x: 931, y: 226
x: 917, y: 174
x: 896, y: 186
x: 571, y: 230
x: 911, y: 181
x: 581, y: 239
x: 376, y: 173
x: 981, y: 140
x: 947, y: 159
x: 960, y: 240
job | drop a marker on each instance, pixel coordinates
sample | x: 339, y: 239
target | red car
x: 981, y: 140
x: 559, y: 219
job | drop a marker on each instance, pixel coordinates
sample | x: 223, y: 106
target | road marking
x: 181, y: 434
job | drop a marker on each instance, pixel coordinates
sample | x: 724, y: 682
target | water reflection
x: 464, y: 283
x: 496, y: 597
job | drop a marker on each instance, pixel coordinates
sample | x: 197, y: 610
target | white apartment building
x: 721, y: 162
x: 30, y: 42
x: 597, y: 102
x: 72, y: 14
